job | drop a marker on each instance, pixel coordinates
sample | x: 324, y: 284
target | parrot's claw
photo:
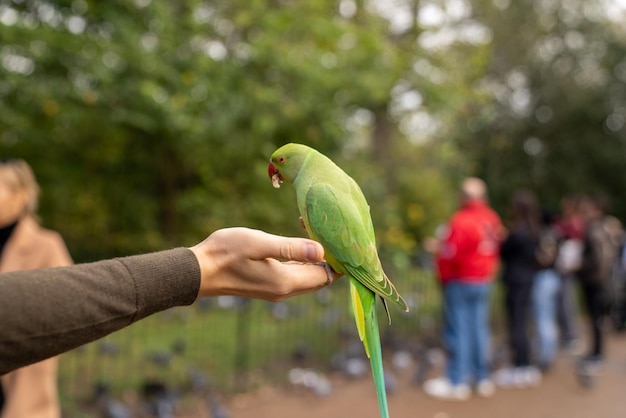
x: 302, y: 223
x: 330, y: 273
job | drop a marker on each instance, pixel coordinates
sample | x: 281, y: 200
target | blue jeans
x: 545, y: 291
x: 466, y: 332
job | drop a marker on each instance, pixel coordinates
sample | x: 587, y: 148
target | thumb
x: 301, y: 249
x: 291, y: 249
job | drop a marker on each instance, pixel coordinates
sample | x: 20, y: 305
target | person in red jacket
x: 467, y: 261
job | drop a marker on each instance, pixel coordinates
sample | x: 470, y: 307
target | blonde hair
x: 17, y: 175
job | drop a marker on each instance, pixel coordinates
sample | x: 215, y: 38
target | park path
x: 560, y: 395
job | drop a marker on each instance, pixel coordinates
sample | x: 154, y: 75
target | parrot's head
x: 286, y: 162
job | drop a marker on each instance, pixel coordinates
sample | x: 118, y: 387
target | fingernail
x: 312, y: 252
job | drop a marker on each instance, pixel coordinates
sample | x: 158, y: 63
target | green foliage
x: 557, y: 123
x: 149, y: 124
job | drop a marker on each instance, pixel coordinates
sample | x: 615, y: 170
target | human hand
x: 245, y: 262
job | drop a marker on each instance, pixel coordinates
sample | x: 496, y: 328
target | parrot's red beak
x: 274, y: 174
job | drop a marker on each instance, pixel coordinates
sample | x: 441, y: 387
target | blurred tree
x: 557, y: 122
x: 149, y: 123
x: 140, y: 114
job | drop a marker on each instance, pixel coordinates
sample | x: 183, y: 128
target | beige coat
x: 31, y: 392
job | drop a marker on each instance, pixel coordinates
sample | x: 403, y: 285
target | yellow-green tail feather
x: 364, y: 308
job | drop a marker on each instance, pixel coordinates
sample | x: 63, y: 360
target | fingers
x: 301, y: 278
x: 252, y: 263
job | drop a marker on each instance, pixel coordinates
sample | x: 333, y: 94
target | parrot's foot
x: 302, y: 223
x: 330, y: 273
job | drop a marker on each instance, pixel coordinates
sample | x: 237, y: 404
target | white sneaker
x: 485, y: 388
x: 517, y: 377
x: 508, y: 378
x: 529, y: 376
x: 442, y: 388
x: 591, y: 365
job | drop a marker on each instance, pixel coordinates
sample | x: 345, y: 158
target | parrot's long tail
x: 376, y: 361
x: 364, y: 307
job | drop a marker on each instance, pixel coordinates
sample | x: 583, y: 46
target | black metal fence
x: 229, y: 344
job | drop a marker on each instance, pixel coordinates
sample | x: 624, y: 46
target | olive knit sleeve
x: 46, y: 312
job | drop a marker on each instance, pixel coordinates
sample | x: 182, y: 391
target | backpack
x: 547, y: 249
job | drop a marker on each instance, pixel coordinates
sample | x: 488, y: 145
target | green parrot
x: 335, y: 213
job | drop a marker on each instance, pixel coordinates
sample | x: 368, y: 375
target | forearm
x: 47, y: 312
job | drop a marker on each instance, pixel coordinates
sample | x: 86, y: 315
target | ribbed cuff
x: 164, y: 279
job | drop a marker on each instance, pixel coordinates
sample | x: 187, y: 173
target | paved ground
x: 559, y: 395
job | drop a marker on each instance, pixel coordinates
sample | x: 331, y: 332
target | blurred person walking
x: 467, y: 260
x: 545, y: 291
x: 518, y: 256
x: 30, y: 392
x: 618, y: 274
x: 602, y: 239
x: 570, y: 227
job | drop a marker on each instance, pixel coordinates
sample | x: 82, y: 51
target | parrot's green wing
x: 332, y: 218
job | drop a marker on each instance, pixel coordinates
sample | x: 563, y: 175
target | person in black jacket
x: 519, y: 268
x: 601, y: 242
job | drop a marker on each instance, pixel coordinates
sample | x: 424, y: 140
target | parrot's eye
x: 281, y: 159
